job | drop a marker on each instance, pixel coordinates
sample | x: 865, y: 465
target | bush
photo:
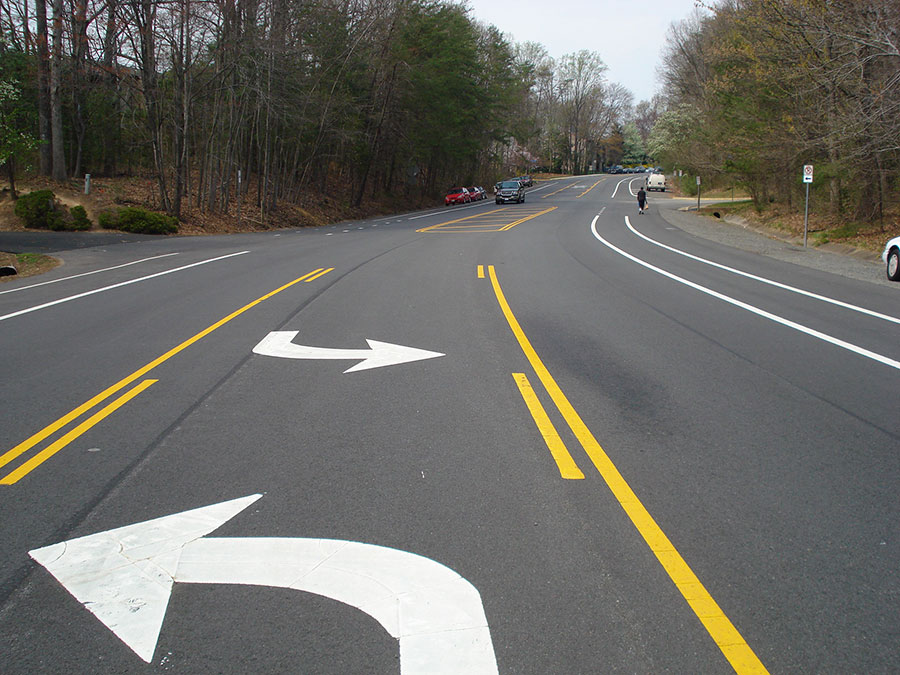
x: 38, y: 209
x: 41, y: 210
x: 107, y: 220
x: 80, y: 220
x: 138, y: 221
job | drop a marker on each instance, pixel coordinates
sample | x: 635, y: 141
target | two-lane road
x: 627, y: 449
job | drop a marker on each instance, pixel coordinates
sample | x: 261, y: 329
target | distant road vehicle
x: 457, y: 195
x: 510, y: 191
x: 476, y: 193
x: 656, y: 181
x: 527, y: 181
x: 891, y: 257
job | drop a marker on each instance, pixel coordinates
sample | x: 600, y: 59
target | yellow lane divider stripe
x: 58, y: 445
x: 50, y: 429
x: 589, y: 189
x: 567, y: 467
x: 459, y: 220
x: 719, y: 627
x: 522, y: 220
x: 565, y: 187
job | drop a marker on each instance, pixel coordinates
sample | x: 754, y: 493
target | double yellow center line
x: 42, y: 456
x: 719, y: 627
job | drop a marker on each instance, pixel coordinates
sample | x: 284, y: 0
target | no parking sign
x: 807, y: 173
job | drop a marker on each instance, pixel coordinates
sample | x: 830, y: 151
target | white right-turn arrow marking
x: 280, y: 343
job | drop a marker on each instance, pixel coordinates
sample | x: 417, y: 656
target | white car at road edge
x: 891, y: 257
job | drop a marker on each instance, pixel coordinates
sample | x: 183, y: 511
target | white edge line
x: 119, y: 285
x: 764, y: 280
x: 750, y: 308
x: 85, y: 274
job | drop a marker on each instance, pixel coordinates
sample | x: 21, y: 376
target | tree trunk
x: 110, y: 78
x: 56, y: 126
x: 79, y: 55
x: 43, y: 63
x: 145, y: 18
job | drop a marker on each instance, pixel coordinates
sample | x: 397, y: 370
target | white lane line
x: 85, y: 274
x: 793, y: 289
x: 119, y: 285
x: 750, y: 308
x: 617, y: 187
x: 631, y: 190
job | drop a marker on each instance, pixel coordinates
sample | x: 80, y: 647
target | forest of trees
x: 262, y: 103
x: 758, y: 88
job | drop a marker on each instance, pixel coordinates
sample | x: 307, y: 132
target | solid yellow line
x: 720, y: 628
x: 558, y: 191
x: 589, y: 189
x: 481, y: 271
x: 459, y: 220
x: 50, y: 429
x: 567, y: 466
x: 62, y: 442
x: 522, y: 220
x: 319, y: 275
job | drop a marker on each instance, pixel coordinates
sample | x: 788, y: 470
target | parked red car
x: 476, y: 193
x: 457, y: 195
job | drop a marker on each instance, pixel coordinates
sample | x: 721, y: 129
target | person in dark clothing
x: 642, y: 200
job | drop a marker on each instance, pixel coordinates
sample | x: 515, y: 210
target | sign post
x: 698, y: 193
x: 807, y: 179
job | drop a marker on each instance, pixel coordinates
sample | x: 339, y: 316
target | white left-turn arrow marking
x: 124, y: 577
x: 280, y: 343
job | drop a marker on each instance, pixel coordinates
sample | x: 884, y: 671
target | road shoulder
x: 835, y: 258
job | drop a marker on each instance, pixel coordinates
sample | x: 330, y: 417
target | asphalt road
x: 639, y: 450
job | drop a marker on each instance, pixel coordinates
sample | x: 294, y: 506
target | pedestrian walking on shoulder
x: 642, y: 200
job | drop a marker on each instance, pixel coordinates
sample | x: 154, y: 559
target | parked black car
x: 510, y: 191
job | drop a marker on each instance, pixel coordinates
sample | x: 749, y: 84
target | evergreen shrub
x: 138, y: 221
x: 38, y: 210
x: 80, y: 220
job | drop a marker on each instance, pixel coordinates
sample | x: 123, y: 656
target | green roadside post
x: 807, y: 179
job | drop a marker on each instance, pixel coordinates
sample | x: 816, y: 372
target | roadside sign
x: 807, y: 179
x: 698, y: 180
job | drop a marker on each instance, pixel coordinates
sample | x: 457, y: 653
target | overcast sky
x: 629, y: 36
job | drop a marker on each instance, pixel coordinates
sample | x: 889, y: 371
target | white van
x: 656, y: 181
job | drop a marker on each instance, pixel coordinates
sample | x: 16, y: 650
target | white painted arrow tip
x: 389, y: 354
x: 124, y: 576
